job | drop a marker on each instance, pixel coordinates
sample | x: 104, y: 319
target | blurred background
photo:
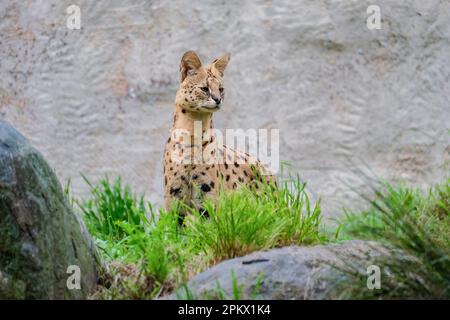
x: 99, y: 100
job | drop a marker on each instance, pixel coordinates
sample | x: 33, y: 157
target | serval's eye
x: 205, y: 89
x: 221, y: 90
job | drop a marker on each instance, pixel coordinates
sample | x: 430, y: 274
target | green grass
x: 151, y: 254
x: 245, y: 221
x: 110, y: 203
x: 416, y: 228
x: 237, y: 291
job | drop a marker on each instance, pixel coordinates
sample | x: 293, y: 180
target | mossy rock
x: 40, y: 234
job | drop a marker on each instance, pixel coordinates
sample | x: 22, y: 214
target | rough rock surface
x: 100, y: 99
x: 289, y: 273
x: 40, y: 235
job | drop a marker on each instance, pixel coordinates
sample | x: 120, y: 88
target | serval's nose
x: 218, y: 100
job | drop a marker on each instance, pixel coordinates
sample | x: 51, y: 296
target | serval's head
x: 201, y: 87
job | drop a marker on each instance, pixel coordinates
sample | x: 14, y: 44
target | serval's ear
x: 221, y: 63
x: 190, y: 63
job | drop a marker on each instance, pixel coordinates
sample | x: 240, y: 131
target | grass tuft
x: 112, y: 206
x: 245, y: 221
x: 416, y: 228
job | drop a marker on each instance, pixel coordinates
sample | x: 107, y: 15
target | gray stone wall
x: 99, y: 100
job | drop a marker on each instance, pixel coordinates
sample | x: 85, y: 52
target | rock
x: 40, y: 234
x: 285, y: 273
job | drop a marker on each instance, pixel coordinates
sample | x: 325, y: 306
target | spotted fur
x: 201, y: 94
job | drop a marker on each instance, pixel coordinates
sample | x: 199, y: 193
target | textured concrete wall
x: 99, y: 100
